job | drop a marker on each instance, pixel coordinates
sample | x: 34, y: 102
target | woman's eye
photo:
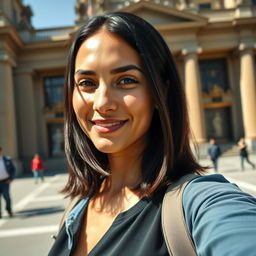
x: 86, y: 83
x: 127, y: 81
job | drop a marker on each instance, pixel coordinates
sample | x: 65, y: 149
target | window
x: 205, y: 6
x: 54, y: 91
x: 216, y: 91
x: 214, y: 77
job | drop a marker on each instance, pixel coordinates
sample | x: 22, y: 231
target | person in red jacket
x: 37, y: 167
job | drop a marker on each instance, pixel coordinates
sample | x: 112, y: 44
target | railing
x: 46, y: 34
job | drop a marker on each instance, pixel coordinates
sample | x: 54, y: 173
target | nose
x: 104, y: 99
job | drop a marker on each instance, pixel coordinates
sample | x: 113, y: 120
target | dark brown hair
x: 168, y: 155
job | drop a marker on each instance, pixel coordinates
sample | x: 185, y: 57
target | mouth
x: 107, y: 125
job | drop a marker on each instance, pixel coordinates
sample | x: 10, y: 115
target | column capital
x: 23, y: 71
x: 246, y: 46
x: 191, y: 50
x: 28, y: 72
x: 5, y: 57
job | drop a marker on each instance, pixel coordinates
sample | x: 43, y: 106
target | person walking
x: 244, y: 154
x: 214, y: 153
x: 7, y: 171
x: 37, y: 167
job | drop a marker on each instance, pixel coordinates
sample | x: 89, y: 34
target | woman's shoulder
x: 207, y: 186
x: 215, y: 179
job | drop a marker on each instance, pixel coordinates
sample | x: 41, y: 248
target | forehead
x: 106, y: 48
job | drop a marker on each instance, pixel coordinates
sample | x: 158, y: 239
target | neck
x: 125, y: 167
x: 117, y: 192
x: 125, y: 173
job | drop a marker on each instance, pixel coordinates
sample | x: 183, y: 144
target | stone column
x: 248, y: 92
x: 194, y: 96
x: 229, y: 3
x: 181, y: 4
x: 8, y: 126
x: 26, y: 111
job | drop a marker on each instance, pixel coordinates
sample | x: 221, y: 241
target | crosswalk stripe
x: 28, y: 231
x: 50, y: 198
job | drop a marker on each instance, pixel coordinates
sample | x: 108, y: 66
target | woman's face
x: 111, y: 98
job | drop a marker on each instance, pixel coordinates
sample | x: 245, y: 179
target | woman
x: 37, y: 167
x: 244, y: 154
x: 126, y: 139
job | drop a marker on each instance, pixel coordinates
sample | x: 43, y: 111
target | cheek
x: 81, y: 105
x: 130, y: 101
x: 140, y: 106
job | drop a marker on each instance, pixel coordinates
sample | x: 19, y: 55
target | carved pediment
x: 160, y: 15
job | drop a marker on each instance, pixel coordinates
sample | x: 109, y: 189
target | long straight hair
x: 168, y: 155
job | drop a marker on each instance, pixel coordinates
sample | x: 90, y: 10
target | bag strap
x: 176, y: 234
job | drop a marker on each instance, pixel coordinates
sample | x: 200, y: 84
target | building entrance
x: 218, y: 123
x: 217, y: 99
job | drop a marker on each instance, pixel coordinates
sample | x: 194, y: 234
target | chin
x: 106, y: 149
x: 105, y: 146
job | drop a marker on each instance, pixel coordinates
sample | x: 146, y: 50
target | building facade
x: 213, y: 43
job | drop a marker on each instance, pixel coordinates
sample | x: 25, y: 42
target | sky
x: 52, y: 13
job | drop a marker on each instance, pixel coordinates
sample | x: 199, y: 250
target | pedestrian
x: 7, y: 171
x: 214, y: 153
x: 126, y: 139
x: 37, y: 167
x: 244, y: 154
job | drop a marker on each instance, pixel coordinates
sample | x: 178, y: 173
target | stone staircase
x: 227, y: 149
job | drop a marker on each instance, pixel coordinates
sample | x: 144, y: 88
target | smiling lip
x: 107, y: 125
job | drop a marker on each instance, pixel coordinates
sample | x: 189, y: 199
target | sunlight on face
x: 111, y: 98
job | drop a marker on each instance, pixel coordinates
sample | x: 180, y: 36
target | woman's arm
x: 221, y: 218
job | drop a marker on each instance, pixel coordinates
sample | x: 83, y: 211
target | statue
x: 58, y: 140
x: 80, y: 9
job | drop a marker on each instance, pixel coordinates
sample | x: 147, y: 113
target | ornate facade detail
x: 84, y: 9
x: 25, y: 22
x: 80, y: 9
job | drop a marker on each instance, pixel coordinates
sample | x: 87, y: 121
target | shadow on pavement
x: 37, y: 212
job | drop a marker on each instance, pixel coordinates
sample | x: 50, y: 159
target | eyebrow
x: 125, y: 68
x: 113, y: 71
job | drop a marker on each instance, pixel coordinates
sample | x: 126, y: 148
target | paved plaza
x: 38, y: 208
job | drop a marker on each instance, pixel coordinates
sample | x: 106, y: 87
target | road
x: 38, y: 208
